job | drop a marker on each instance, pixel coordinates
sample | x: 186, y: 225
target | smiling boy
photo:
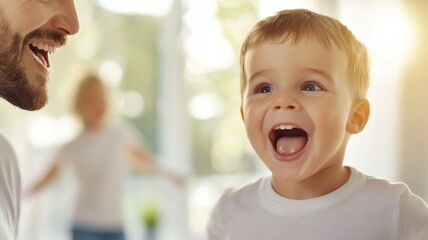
x: 29, y: 31
x: 304, y: 79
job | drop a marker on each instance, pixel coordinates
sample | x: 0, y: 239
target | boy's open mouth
x: 288, y: 139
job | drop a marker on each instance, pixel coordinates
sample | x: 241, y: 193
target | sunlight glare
x: 111, y: 72
x: 205, y: 106
x: 394, y: 35
x: 143, y: 7
x: 205, y: 44
x: 132, y: 104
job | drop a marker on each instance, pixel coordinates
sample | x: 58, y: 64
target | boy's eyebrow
x: 318, y: 71
x: 257, y: 73
x: 321, y: 72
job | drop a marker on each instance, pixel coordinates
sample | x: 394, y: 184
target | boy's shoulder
x: 410, y: 209
x: 379, y: 194
x: 380, y: 186
x: 248, y: 188
x: 244, y: 195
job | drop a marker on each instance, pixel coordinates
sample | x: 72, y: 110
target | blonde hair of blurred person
x: 29, y: 31
x: 90, y: 103
x: 97, y: 156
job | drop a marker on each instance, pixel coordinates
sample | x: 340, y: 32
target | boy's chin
x: 291, y: 175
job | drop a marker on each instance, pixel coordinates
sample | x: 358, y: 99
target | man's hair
x: 294, y: 25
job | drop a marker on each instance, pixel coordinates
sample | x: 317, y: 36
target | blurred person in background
x: 98, y: 157
x: 30, y: 30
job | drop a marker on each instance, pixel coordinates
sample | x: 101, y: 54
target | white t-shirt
x: 363, y: 208
x: 98, y: 159
x: 10, y: 191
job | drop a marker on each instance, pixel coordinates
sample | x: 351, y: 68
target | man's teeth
x: 43, y: 46
x: 285, y: 127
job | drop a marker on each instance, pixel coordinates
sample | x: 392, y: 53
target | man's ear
x: 359, y: 117
x: 242, y: 114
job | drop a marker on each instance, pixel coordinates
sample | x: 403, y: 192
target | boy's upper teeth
x: 43, y: 46
x: 285, y: 127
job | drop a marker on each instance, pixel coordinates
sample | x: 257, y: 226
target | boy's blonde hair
x: 294, y: 25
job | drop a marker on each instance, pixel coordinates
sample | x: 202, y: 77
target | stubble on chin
x: 15, y: 86
x: 31, y: 97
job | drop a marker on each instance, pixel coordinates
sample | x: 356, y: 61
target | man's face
x: 30, y: 30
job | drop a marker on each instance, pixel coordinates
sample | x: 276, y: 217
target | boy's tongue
x: 290, y: 145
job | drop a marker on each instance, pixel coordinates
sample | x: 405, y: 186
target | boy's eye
x: 263, y: 89
x: 311, y: 87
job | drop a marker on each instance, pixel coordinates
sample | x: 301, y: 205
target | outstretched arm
x: 46, y: 179
x: 144, y: 162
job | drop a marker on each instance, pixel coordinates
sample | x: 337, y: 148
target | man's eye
x: 311, y: 87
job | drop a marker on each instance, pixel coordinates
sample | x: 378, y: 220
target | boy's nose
x: 286, y: 101
x: 66, y: 19
x: 288, y: 107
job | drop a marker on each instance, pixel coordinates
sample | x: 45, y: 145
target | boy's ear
x: 359, y: 117
x: 242, y: 114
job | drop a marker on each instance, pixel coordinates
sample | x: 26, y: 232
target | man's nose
x: 66, y: 19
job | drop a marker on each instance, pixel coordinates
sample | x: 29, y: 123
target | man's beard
x: 15, y: 86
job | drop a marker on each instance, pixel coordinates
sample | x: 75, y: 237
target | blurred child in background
x: 98, y: 157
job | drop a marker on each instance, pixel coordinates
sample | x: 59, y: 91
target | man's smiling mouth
x: 288, y: 139
x: 41, y: 51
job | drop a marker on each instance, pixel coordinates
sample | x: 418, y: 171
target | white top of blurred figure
x: 99, y: 159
